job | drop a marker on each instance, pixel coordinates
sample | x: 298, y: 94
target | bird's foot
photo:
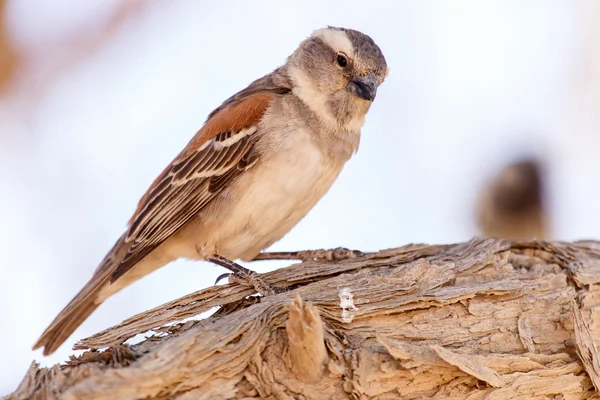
x: 244, y: 276
x: 337, y: 254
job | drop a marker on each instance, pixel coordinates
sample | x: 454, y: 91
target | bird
x: 513, y: 204
x: 257, y: 166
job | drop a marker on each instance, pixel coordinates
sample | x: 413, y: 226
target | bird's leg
x: 244, y: 276
x: 337, y: 254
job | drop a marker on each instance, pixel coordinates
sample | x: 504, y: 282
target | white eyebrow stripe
x: 336, y: 39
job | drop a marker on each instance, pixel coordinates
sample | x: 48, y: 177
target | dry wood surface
x: 486, y: 319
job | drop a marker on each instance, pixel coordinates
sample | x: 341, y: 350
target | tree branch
x: 486, y: 319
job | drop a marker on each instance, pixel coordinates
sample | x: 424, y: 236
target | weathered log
x: 487, y: 319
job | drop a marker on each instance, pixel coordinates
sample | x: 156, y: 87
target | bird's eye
x: 342, y: 60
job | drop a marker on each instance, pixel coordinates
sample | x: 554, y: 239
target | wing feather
x: 220, y: 151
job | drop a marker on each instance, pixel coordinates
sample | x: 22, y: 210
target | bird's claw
x: 253, y: 279
x: 221, y: 277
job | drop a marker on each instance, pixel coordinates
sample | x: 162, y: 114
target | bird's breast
x: 268, y: 200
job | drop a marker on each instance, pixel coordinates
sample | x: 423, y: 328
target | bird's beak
x: 364, y: 87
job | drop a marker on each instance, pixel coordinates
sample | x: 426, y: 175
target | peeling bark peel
x: 307, y: 354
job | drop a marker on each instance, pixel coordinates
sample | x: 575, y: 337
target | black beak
x: 364, y: 87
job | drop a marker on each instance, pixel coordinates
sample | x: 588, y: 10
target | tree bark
x: 486, y: 319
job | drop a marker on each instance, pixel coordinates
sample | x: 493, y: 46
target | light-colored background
x: 104, y: 97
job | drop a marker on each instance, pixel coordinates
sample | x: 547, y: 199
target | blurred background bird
x: 90, y: 90
x: 513, y: 203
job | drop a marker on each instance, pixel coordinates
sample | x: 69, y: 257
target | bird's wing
x: 219, y: 152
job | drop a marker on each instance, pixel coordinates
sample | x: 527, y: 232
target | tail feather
x: 64, y: 325
x: 71, y: 317
x: 84, y: 303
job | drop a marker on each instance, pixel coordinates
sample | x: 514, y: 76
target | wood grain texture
x: 486, y: 319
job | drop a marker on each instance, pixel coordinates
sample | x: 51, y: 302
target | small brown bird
x: 513, y: 204
x: 261, y: 161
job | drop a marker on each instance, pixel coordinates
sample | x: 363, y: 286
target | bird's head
x: 336, y: 73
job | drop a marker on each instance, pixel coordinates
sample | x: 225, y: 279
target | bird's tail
x: 67, y: 321
x: 83, y: 304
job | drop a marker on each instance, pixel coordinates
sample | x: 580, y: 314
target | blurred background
x: 487, y: 125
